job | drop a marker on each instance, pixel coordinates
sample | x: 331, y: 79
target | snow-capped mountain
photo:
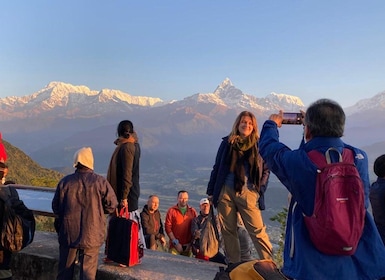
x: 226, y: 94
x: 60, y: 118
x: 375, y: 103
x: 63, y: 100
x: 66, y: 100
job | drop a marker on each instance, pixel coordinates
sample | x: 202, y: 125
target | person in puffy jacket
x: 80, y: 202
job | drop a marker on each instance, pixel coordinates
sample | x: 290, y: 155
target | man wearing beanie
x: 377, y: 196
x: 80, y: 202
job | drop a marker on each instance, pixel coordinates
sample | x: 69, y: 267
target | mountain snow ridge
x: 81, y: 99
x: 226, y: 94
x: 377, y: 102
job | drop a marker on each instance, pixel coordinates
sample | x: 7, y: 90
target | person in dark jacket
x: 238, y: 179
x: 5, y: 255
x: 123, y: 173
x: 198, y: 225
x: 152, y: 223
x: 377, y: 196
x: 324, y: 125
x: 80, y: 202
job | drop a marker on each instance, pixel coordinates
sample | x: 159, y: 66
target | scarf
x: 241, y: 151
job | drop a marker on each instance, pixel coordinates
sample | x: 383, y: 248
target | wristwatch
x: 175, y: 242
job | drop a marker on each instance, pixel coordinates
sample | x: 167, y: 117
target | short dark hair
x: 125, y: 128
x: 182, y: 191
x: 379, y: 166
x: 325, y: 117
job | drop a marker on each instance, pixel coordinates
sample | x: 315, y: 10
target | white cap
x: 203, y: 201
x: 84, y: 157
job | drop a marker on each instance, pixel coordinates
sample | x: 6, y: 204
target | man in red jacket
x: 178, y: 225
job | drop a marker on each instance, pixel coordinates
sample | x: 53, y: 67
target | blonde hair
x: 235, y: 132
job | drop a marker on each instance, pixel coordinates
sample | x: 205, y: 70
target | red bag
x: 123, y: 241
x: 336, y: 226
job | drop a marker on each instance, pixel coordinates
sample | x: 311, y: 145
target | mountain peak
x: 285, y: 98
x: 226, y: 83
x: 61, y: 88
x: 225, y: 86
x: 377, y: 102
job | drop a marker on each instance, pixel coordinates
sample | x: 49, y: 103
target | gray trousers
x: 87, y: 259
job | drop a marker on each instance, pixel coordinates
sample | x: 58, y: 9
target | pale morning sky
x: 174, y: 49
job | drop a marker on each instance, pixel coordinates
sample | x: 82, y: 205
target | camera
x: 292, y: 118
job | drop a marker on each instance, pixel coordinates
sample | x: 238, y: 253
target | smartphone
x: 292, y: 118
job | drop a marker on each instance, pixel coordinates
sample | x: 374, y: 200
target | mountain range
x: 51, y: 124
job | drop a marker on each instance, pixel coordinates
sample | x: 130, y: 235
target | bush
x: 44, y: 223
x: 280, y: 217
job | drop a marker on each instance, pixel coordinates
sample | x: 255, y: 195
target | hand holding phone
x: 292, y: 118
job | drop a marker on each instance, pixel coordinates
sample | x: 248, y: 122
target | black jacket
x: 151, y: 223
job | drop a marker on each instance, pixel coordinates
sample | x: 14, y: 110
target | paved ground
x: 39, y: 262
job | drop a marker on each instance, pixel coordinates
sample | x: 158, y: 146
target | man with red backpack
x: 304, y: 257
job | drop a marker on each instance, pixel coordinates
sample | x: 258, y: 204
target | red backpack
x: 336, y: 225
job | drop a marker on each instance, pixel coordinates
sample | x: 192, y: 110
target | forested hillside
x: 23, y: 170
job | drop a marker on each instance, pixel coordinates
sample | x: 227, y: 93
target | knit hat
x: 84, y: 157
x: 203, y: 201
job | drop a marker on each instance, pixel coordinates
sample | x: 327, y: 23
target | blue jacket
x: 222, y: 167
x: 295, y: 170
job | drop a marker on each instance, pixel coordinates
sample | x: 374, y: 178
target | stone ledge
x: 39, y: 261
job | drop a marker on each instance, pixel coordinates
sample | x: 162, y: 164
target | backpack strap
x: 214, y: 221
x: 348, y: 156
x: 327, y: 155
x: 321, y: 160
x: 317, y: 158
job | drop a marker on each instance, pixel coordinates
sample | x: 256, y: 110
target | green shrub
x: 280, y: 217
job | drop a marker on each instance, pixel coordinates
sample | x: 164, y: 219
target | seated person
x: 197, y: 226
x: 152, y: 223
x: 178, y: 225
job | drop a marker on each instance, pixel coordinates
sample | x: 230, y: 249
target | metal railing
x: 38, y: 199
